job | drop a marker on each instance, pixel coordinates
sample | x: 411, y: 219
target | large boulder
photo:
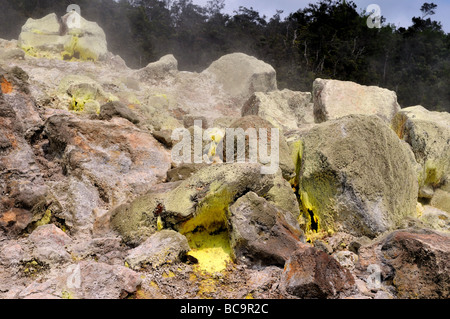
x: 156, y: 71
x: 242, y: 75
x: 334, y: 99
x: 262, y: 233
x: 50, y: 37
x: 356, y: 176
x: 286, y: 109
x: 415, y: 262
x: 428, y: 134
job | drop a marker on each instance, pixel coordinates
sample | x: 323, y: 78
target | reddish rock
x: 95, y: 280
x: 50, y: 242
x: 120, y: 159
x: 262, y: 233
x: 21, y: 182
x: 49, y: 233
x: 311, y: 273
x: 417, y: 263
x: 15, y: 220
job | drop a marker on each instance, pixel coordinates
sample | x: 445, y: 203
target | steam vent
x: 135, y: 183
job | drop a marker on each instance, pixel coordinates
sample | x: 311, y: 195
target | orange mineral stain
x: 6, y: 86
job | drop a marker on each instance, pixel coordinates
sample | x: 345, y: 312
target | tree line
x: 327, y: 39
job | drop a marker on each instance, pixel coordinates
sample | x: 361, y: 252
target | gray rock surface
x: 356, y: 176
x: 334, y: 99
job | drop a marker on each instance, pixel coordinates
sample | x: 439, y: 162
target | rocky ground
x: 93, y: 204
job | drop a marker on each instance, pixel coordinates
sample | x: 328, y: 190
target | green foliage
x: 328, y: 39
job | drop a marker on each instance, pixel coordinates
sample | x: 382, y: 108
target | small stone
x: 323, y: 246
x: 50, y: 242
x: 116, y: 108
x: 347, y: 259
x: 164, y: 137
x: 165, y: 246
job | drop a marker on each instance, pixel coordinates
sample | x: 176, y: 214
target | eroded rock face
x: 428, y: 134
x: 356, y: 176
x: 115, y: 156
x: 262, y: 233
x: 311, y: 273
x: 416, y: 262
x: 242, y: 75
x: 22, y: 185
x: 117, y: 109
x: 334, y: 99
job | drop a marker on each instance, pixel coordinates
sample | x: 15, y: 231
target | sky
x: 398, y: 12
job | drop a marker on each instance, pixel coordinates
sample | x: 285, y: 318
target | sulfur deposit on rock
x: 89, y: 186
x: 242, y: 75
x: 356, y: 176
x: 334, y: 99
x: 50, y: 37
x: 286, y: 109
x: 199, y: 201
x: 428, y: 134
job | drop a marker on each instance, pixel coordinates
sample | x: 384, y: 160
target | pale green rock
x: 441, y: 200
x: 428, y: 134
x: 83, y: 94
x: 356, y: 176
x: 158, y: 70
x: 49, y: 38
